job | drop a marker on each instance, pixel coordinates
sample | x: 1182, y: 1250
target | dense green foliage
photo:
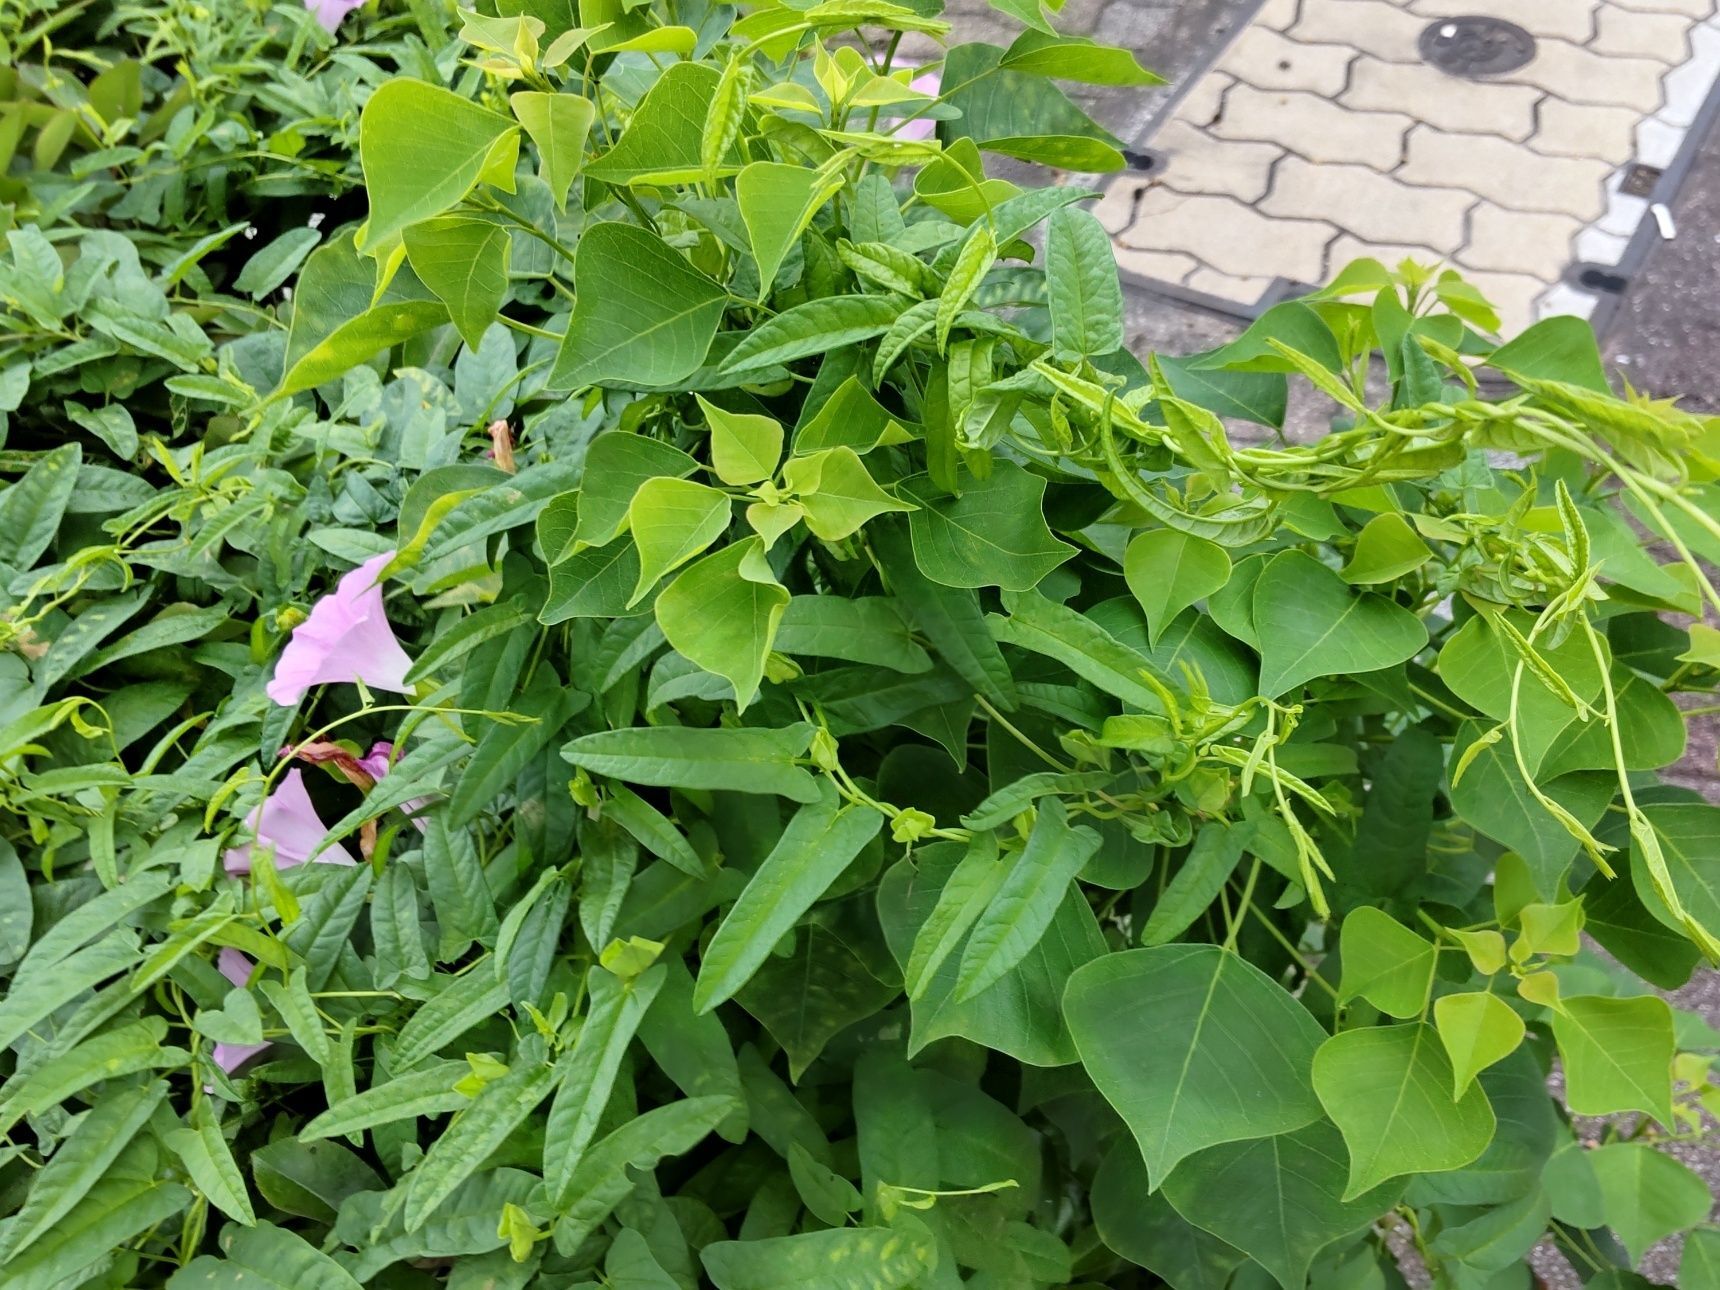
x: 610, y: 674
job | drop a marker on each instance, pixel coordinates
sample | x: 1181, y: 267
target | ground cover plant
x: 610, y: 675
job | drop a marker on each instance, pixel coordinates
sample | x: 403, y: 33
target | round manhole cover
x: 1476, y: 47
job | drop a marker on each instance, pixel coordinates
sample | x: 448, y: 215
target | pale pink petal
x: 330, y: 12
x: 345, y: 638
x: 921, y: 127
x: 287, y: 821
x: 378, y: 762
x: 237, y: 969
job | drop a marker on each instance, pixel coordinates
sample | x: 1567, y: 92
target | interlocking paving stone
x: 1228, y: 235
x: 1269, y: 61
x: 1585, y: 130
x: 1513, y: 177
x: 1320, y: 136
x: 1369, y: 204
x: 1430, y: 95
x: 1312, y: 127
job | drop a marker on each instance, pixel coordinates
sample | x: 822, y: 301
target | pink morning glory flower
x: 921, y: 127
x: 287, y: 822
x: 377, y: 763
x: 237, y: 969
x: 345, y: 638
x: 330, y: 12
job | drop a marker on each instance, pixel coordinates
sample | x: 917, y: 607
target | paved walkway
x: 1320, y: 133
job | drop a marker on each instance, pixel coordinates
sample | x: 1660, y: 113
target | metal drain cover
x: 1476, y: 47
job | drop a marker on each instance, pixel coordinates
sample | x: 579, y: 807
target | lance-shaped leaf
x: 1081, y: 277
x: 746, y: 760
x: 1193, y: 1046
x: 819, y: 843
x: 468, y: 1141
x: 843, y: 1258
x: 587, y: 1072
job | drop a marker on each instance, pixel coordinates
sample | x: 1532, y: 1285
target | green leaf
x: 423, y: 149
x: 1081, y: 276
x: 558, y: 124
x: 1699, y: 1269
x: 975, y: 259
x: 1026, y: 900
x: 464, y: 261
x: 1477, y: 1030
x: 1075, y: 58
x: 1205, y: 870
x: 468, y: 1141
x: 745, y: 447
x: 1618, y: 1055
x: 135, y: 1046
x: 1386, y: 549
x: 661, y: 144
x: 1280, y: 1200
x: 209, y: 1161
x: 460, y: 1003
x: 271, y: 265
x: 743, y: 760
x: 587, y: 1072
x: 816, y: 327
x: 693, y: 1049
x: 1077, y: 642
x: 1647, y: 1195
x: 722, y: 614
x: 1020, y: 114
x: 79, y: 1163
x: 819, y: 843
x: 672, y: 520
x: 603, y: 1180
x: 1389, y: 1091
x: 339, y: 321
x: 504, y: 749
x: 777, y: 202
x: 31, y: 508
x: 264, y: 1257
x: 1193, y: 1046
x: 1167, y: 571
x: 1385, y: 963
x: 1310, y: 624
x: 421, y: 1093
x: 127, y: 1201
x: 642, y: 316
x: 854, y: 1258
x: 1144, y: 1227
x: 837, y: 493
x: 993, y: 534
x: 864, y: 629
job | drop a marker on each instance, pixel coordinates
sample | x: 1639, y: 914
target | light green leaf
x: 587, y: 1072
x: 125, y: 1202
x: 672, y: 520
x: 745, y: 447
x: 423, y: 149
x: 992, y: 534
x: 135, y: 1046
x: 1699, y: 1269
x: 460, y: 1002
x: 837, y: 493
x: 1618, y: 1055
x: 852, y: 1258
x: 464, y: 261
x: 273, y: 264
x: 1385, y: 963
x: 421, y: 1093
x: 973, y: 262
x: 615, y: 466
x: 264, y: 1257
x: 661, y: 144
x: 862, y: 629
x: 816, y: 327
x: 722, y: 614
x: 1193, y: 1046
x: 1280, y: 1199
x: 1647, y: 1195
x: 1077, y: 642
x: 819, y: 843
x: 209, y: 1161
x: 1168, y: 570
x: 1020, y: 114
x: 777, y: 202
x: 1207, y: 867
x: 558, y: 124
x: 1389, y: 1091
x: 1386, y: 549
x: 1311, y: 624
x: 747, y: 760
x: 1081, y: 277
x: 1477, y: 1030
x: 642, y: 315
x: 1075, y: 58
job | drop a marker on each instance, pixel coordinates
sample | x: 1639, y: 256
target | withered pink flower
x: 330, y: 12
x: 288, y: 823
x: 377, y: 763
x: 346, y: 638
x: 237, y: 969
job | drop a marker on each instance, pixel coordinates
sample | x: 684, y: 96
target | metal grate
x: 1475, y: 47
x: 1639, y: 180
